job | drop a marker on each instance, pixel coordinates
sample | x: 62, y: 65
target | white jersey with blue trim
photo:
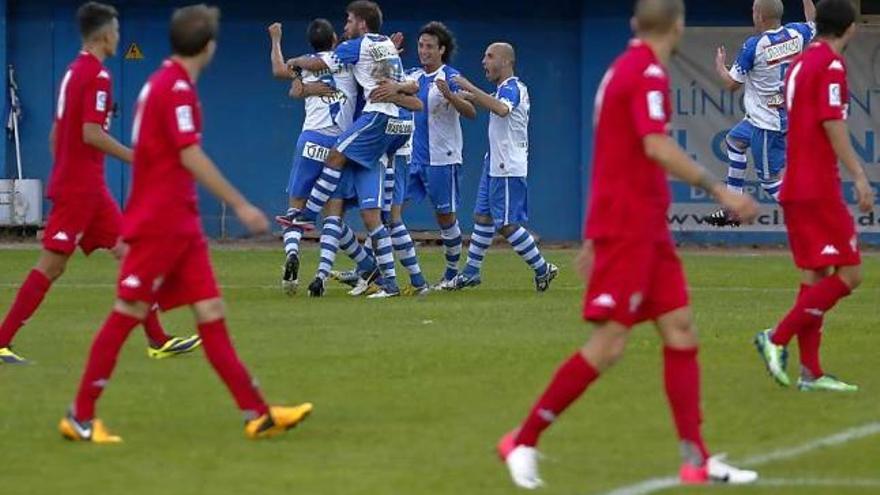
x: 509, y: 136
x: 374, y: 58
x: 331, y: 115
x: 437, y: 139
x: 760, y: 67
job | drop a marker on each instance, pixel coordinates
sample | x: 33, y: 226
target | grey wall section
x: 564, y: 47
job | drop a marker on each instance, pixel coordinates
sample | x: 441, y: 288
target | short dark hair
x: 320, y: 33
x: 834, y: 17
x: 444, y: 36
x: 192, y: 28
x: 93, y: 17
x: 367, y: 11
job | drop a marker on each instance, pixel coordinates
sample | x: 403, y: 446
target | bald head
x: 504, y: 51
x: 770, y: 10
x: 657, y: 16
x: 499, y: 61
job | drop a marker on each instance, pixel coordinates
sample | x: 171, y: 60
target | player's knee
x: 134, y: 309
x: 736, y: 144
x: 679, y: 331
x: 446, y: 219
x: 507, y: 230
x: 606, y: 346
x: 335, y: 160
x: 851, y: 276
x: 52, y: 265
x: 210, y: 310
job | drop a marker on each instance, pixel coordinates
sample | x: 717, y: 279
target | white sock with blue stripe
x: 292, y: 237
x: 524, y: 245
x: 387, y: 194
x: 405, y: 249
x: 736, y: 168
x: 323, y: 189
x: 451, y: 236
x: 772, y: 187
x: 384, y: 252
x: 349, y: 243
x: 330, y: 234
x: 481, y: 239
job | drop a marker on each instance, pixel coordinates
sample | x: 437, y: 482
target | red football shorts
x: 634, y: 281
x: 88, y: 221
x: 168, y: 271
x: 821, y: 234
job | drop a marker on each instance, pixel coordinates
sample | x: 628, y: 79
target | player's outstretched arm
x: 313, y: 64
x: 94, y: 135
x: 481, y: 98
x: 723, y: 72
x: 809, y: 11
x: 408, y: 102
x: 462, y: 106
x: 838, y: 134
x: 279, y: 68
x: 662, y: 149
x: 206, y: 173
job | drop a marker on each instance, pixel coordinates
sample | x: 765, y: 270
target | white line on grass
x: 657, y: 484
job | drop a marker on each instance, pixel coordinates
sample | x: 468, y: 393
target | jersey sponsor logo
x: 829, y: 250
x: 131, y: 282
x: 101, y: 101
x: 834, y: 97
x: 775, y: 101
x: 398, y: 127
x: 382, y: 52
x: 656, y: 111
x: 337, y: 97
x: 316, y: 152
x: 185, y: 121
x: 782, y: 51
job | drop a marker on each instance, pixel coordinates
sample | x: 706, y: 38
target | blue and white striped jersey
x: 374, y: 58
x: 761, y: 66
x: 509, y: 136
x: 437, y: 139
x: 331, y: 114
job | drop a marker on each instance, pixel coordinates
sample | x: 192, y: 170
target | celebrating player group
x: 377, y: 137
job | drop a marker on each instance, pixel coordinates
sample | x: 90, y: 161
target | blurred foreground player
x: 633, y: 272
x: 83, y: 213
x: 821, y: 230
x: 168, y: 261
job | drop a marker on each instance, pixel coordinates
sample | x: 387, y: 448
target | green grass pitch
x: 411, y: 394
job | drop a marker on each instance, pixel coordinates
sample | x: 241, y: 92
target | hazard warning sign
x: 134, y: 52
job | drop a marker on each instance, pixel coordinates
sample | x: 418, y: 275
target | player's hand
x: 583, y: 262
x: 275, y: 31
x: 443, y: 87
x: 466, y: 95
x: 464, y: 84
x: 384, y: 92
x: 864, y: 194
x: 320, y: 89
x: 741, y: 206
x: 397, y: 39
x: 252, y: 218
x: 721, y: 57
x: 119, y: 250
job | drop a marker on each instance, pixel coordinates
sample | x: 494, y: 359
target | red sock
x: 810, y: 308
x: 569, y: 382
x: 28, y: 299
x: 102, y: 359
x: 221, y: 354
x: 809, y: 341
x: 681, y: 375
x: 156, y: 335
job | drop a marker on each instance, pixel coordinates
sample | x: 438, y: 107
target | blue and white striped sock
x: 481, y: 239
x: 292, y: 236
x: 381, y: 241
x: 736, y: 168
x: 349, y: 243
x: 772, y: 187
x: 524, y: 245
x: 326, y: 185
x: 330, y: 234
x: 387, y: 195
x: 451, y: 236
x: 405, y: 249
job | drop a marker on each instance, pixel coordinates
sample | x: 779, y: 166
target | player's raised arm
x: 464, y: 107
x: 305, y: 62
x: 666, y: 152
x: 724, y: 72
x: 479, y: 97
x: 809, y: 11
x: 279, y: 69
x: 206, y: 173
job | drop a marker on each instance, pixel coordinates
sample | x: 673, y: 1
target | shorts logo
x: 829, y: 250
x: 315, y: 152
x: 61, y: 236
x: 398, y: 127
x: 604, y: 301
x: 131, y: 281
x: 101, y: 101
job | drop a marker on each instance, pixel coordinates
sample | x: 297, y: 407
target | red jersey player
x: 633, y: 272
x: 821, y: 231
x: 83, y: 212
x: 168, y: 262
